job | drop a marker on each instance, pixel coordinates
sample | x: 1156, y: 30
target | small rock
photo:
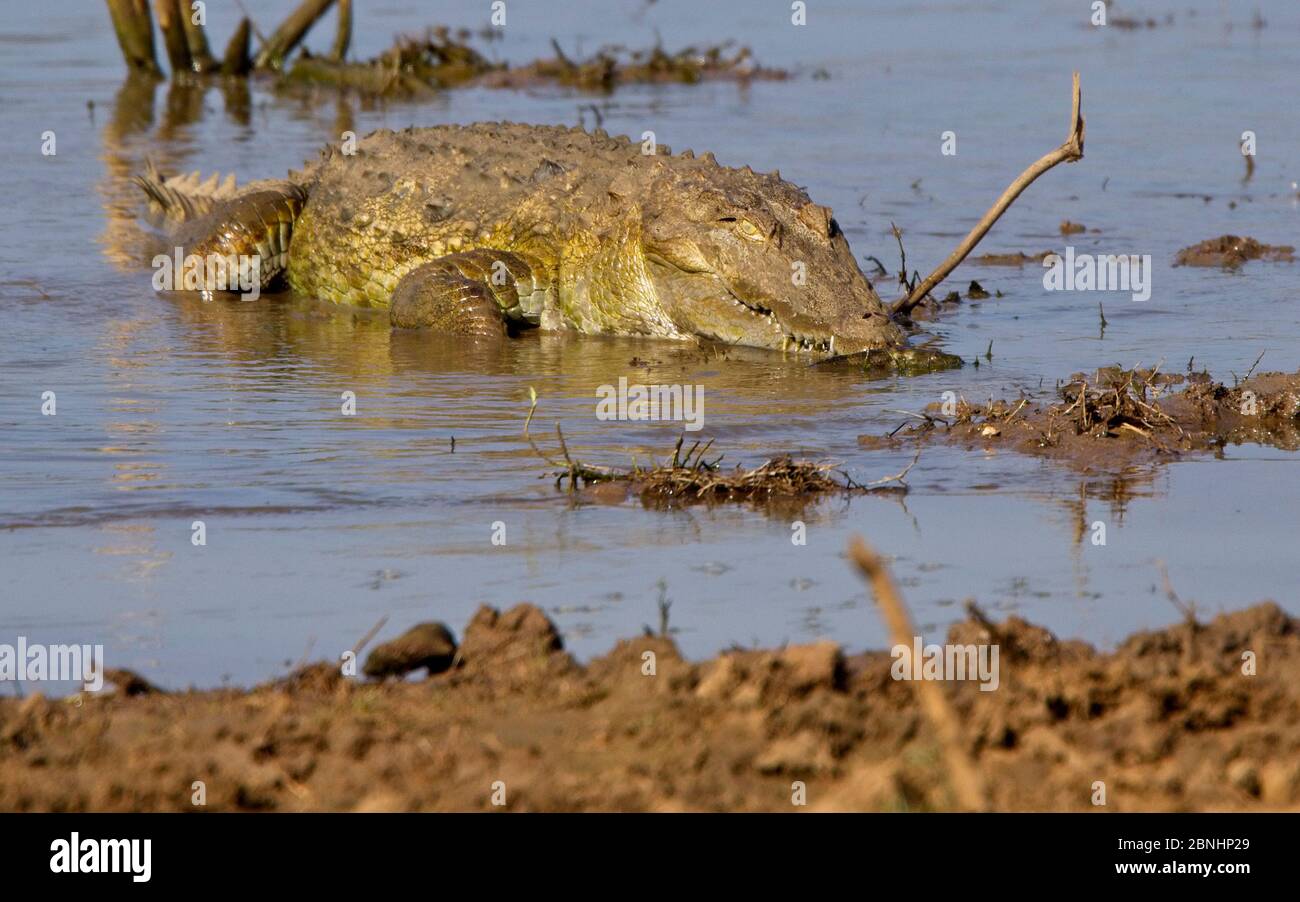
x: 1280, y: 782
x: 719, y: 680
x: 802, y: 753
x: 810, y: 666
x: 1245, y: 776
x: 381, y: 801
x: 522, y: 631
x: 868, y: 787
x: 320, y: 677
x: 428, y: 645
x: 128, y: 682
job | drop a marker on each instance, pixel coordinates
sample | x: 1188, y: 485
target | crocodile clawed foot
x: 439, y: 297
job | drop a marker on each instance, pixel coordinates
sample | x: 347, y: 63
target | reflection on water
x: 171, y: 410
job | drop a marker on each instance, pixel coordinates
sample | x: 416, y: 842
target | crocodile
x: 494, y: 228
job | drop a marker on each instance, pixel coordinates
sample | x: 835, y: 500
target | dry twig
x: 343, y: 38
x: 967, y: 783
x: 1068, y: 152
x: 296, y: 25
x: 365, y: 640
x: 900, y: 475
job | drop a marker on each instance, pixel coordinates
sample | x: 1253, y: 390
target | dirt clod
x: 1230, y: 252
x: 513, y: 647
x: 128, y: 682
x: 1016, y: 259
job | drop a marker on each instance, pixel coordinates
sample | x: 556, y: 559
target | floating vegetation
x: 413, y: 66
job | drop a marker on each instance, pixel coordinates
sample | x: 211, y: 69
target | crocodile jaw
x: 704, y: 305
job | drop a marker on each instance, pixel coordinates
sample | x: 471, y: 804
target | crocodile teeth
x: 788, y: 339
x: 807, y: 343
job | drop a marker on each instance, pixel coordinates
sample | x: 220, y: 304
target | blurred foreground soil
x: 1169, y: 721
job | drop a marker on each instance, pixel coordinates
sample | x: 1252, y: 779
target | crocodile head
x: 746, y: 258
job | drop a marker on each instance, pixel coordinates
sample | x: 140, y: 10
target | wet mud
x: 1018, y: 258
x: 1115, y: 418
x: 1231, y: 252
x: 1199, y: 716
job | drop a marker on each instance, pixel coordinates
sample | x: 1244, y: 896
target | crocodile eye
x: 746, y: 228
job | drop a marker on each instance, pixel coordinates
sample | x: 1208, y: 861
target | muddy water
x: 170, y: 410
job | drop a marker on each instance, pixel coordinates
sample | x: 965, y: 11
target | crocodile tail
x: 181, y: 198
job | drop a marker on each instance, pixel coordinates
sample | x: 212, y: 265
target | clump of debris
x: 1117, y: 416
x: 414, y: 65
x: 691, y: 477
x: 1231, y: 251
x: 615, y: 65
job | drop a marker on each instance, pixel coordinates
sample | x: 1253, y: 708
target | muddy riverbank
x: 1114, y: 418
x: 1199, y: 716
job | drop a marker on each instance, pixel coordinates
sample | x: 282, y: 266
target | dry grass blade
x: 365, y: 640
x: 1186, y: 609
x: 967, y: 783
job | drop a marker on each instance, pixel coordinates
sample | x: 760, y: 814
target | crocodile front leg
x: 478, y: 292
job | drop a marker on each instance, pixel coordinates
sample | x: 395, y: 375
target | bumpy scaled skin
x: 258, y: 221
x: 492, y: 227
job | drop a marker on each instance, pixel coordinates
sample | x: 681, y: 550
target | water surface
x: 172, y: 410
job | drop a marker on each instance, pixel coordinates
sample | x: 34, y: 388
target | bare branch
x: 900, y: 476
x: 1069, y: 152
x: 291, y: 31
x: 196, y: 39
x: 343, y: 37
x: 134, y: 27
x: 236, y: 61
x: 1185, y: 608
x: 169, y: 23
